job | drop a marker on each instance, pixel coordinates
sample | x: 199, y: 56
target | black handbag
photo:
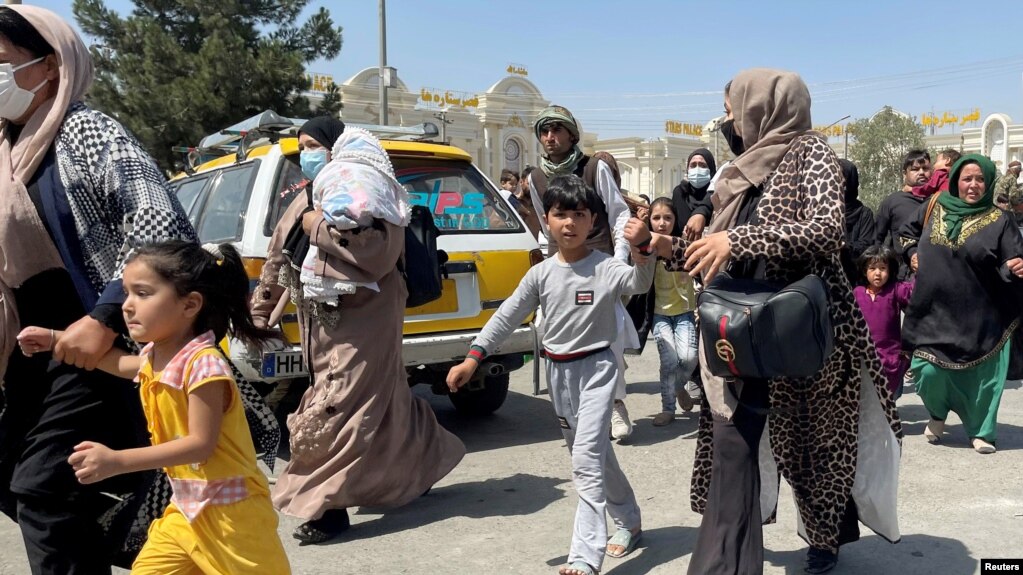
x: 753, y: 329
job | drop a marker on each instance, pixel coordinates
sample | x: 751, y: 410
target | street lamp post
x: 383, y: 64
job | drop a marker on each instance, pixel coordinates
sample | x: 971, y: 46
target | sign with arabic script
x: 517, y: 69
x: 832, y: 131
x: 950, y: 119
x: 448, y: 99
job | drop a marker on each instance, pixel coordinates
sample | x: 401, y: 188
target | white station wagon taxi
x: 240, y: 181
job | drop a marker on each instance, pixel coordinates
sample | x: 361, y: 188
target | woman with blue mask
x: 358, y: 438
x: 691, y: 196
x: 315, y: 139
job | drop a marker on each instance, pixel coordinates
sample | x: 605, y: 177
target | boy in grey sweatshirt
x: 577, y: 289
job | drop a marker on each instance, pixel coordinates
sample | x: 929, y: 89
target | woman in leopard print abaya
x: 835, y: 437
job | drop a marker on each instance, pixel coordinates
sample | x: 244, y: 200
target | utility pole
x: 442, y: 115
x: 383, y: 65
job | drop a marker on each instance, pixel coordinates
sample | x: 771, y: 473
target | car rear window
x: 218, y: 202
x: 460, y: 198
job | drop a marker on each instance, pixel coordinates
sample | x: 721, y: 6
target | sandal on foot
x: 623, y: 538
x: 581, y: 567
x: 934, y: 430
x: 982, y: 447
x: 333, y: 523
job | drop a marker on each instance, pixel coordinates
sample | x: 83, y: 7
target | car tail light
x: 253, y: 269
x: 535, y: 257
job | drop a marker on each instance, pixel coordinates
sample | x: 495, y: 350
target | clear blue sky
x: 626, y: 67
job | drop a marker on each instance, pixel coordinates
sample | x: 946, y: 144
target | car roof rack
x: 269, y: 126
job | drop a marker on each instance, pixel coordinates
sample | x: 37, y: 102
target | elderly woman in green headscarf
x: 969, y: 258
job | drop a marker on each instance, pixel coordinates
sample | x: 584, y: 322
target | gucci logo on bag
x: 724, y: 350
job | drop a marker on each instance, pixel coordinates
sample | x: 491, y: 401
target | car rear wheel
x: 482, y: 401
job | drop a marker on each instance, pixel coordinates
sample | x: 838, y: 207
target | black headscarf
x: 859, y: 222
x: 852, y: 185
x: 324, y: 129
x: 689, y: 200
x: 707, y: 156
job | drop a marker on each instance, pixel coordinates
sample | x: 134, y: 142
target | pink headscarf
x: 26, y: 249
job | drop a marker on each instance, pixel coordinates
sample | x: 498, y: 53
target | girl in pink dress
x: 882, y: 301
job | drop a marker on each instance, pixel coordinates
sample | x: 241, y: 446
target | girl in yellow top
x: 181, y: 300
x: 674, y: 326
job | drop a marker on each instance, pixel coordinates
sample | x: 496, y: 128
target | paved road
x: 508, y: 507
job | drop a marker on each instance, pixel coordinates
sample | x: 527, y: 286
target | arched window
x: 995, y: 145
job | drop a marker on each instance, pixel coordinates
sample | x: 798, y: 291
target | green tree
x: 331, y: 104
x: 175, y: 70
x: 877, y: 149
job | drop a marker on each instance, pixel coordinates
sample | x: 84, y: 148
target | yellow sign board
x: 835, y: 131
x: 517, y: 69
x: 431, y: 97
x: 950, y: 119
x: 681, y: 128
x: 319, y: 82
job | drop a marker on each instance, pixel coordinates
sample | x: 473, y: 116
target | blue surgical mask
x: 312, y: 162
x: 698, y: 177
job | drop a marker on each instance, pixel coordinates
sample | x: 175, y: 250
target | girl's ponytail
x: 233, y: 298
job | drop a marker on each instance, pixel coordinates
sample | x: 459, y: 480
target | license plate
x: 283, y: 363
x: 446, y: 303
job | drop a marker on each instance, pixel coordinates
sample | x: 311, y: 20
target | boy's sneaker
x: 694, y: 390
x: 621, y: 426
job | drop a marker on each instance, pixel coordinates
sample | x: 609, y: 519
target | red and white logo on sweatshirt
x: 584, y: 297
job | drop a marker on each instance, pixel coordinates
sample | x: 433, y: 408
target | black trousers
x: 731, y: 539
x: 50, y: 409
x: 63, y: 537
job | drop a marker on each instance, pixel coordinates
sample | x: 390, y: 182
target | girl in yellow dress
x: 182, y: 298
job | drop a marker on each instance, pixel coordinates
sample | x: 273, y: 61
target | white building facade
x: 495, y: 128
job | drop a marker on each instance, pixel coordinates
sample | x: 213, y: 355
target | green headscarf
x: 957, y: 210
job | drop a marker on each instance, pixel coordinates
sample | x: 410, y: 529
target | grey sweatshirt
x: 578, y: 302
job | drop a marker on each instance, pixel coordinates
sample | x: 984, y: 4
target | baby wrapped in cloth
x: 356, y: 187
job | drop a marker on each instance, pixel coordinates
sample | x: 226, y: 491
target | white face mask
x: 698, y: 177
x: 15, y: 100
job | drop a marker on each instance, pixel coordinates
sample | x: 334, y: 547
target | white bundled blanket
x: 356, y: 187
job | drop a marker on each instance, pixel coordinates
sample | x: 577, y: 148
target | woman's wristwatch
x: 644, y: 247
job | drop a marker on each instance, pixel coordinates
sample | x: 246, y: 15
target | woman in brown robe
x: 359, y: 437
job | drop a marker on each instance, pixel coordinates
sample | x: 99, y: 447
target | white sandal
x: 934, y: 430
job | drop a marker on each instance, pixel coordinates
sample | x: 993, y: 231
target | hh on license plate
x: 283, y: 363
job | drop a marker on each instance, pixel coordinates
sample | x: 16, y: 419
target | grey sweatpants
x: 582, y: 392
